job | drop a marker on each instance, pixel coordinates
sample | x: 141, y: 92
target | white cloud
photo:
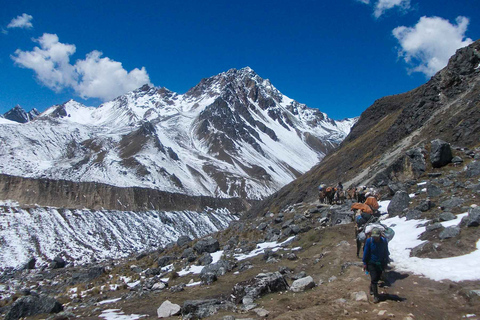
x: 383, y: 5
x: 23, y: 21
x: 431, y: 42
x: 93, y: 77
x: 364, y: 1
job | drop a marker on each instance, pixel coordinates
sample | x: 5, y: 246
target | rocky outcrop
x: 33, y: 305
x: 69, y: 194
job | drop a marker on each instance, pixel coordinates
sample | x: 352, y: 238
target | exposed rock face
x: 68, y: 194
x: 32, y: 305
x: 440, y: 154
x: 18, y: 114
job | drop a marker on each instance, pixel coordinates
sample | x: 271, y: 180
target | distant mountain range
x: 232, y: 135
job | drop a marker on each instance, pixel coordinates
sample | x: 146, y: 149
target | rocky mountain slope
x: 382, y: 146
x: 232, y: 135
x: 297, y: 264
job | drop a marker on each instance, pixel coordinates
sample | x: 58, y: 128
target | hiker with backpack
x: 375, y: 259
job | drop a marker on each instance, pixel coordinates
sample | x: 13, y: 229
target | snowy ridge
x: 232, y: 135
x: 81, y: 235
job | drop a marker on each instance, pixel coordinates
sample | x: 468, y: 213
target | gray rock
x: 473, y: 169
x: 433, y: 191
x: 205, y: 259
x: 197, y: 309
x: 425, y: 205
x: 287, y: 223
x: 424, y: 248
x: 446, y: 216
x: 219, y: 268
x: 417, y: 161
x: 359, y: 296
x: 472, y: 219
x: 452, y: 203
x: 30, y: 264
x: 87, y: 276
x: 208, y: 278
x: 413, y: 214
x: 302, y: 284
x: 208, y: 244
x: 228, y: 318
x: 177, y: 288
x: 57, y: 263
x: 292, y: 256
x: 33, y: 305
x: 168, y: 309
x: 247, y: 291
x: 164, y: 261
x: 159, y: 286
x: 300, y: 275
x: 262, y: 226
x: 261, y: 312
x: 189, y: 255
x: 449, y: 232
x: 434, y: 226
x: 269, y: 253
x: 399, y: 202
x: 183, y: 240
x: 457, y: 160
x: 440, y: 153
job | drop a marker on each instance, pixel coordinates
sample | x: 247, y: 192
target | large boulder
x: 433, y: 191
x: 87, y: 276
x: 33, y: 305
x: 247, y: 291
x: 473, y: 218
x: 164, y: 261
x: 208, y: 244
x: 302, y: 284
x: 198, y: 309
x: 219, y: 268
x: 168, y: 309
x: 183, y: 240
x: 473, y: 169
x: 449, y: 232
x: 57, y: 263
x: 399, y: 202
x: 452, y: 203
x: 440, y: 153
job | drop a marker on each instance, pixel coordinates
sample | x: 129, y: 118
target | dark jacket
x: 376, y: 252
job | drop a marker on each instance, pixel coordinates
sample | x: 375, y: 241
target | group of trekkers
x: 374, y: 236
x: 368, y: 230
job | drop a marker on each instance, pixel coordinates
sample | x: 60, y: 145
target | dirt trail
x: 408, y: 296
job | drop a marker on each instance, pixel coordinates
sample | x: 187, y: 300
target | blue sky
x: 338, y: 56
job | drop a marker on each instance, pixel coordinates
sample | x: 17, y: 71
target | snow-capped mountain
x: 18, y: 114
x: 232, y: 135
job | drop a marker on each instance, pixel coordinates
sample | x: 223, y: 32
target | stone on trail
x: 261, y: 312
x: 359, y: 296
x: 302, y: 284
x: 168, y: 309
